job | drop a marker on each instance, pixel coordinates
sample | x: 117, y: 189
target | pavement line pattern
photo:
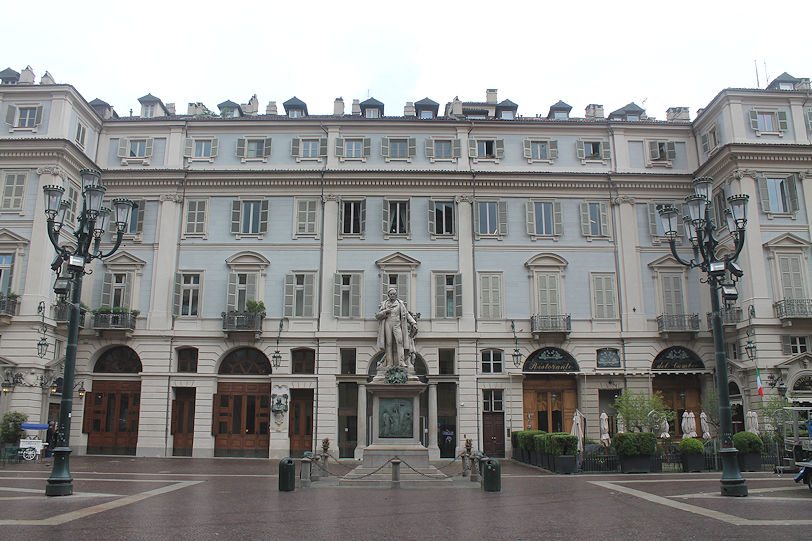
x: 82, y: 513
x: 709, y: 513
x: 41, y: 494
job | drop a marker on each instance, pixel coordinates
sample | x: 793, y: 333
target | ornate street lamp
x: 722, y: 274
x: 90, y: 226
x: 276, y: 358
x: 517, y: 353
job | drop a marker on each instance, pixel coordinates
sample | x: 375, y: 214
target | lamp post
x: 722, y: 273
x: 91, y: 225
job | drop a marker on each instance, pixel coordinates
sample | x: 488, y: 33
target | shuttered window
x: 672, y: 294
x: 548, y: 296
x: 395, y: 217
x: 792, y: 284
x: 242, y: 287
x: 778, y: 195
x: 13, y: 191
x: 196, y: 217
x: 299, y: 292
x: 441, y: 218
x: 603, y: 294
x: 491, y: 218
x: 543, y: 218
x: 595, y: 219
x: 249, y: 217
x: 490, y: 296
x: 398, y: 280
x: 447, y: 295
x: 347, y: 295
x: 352, y: 217
x: 307, y: 218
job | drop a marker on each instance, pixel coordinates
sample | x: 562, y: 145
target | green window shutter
x: 241, y: 147
x: 579, y: 150
x: 403, y: 286
x: 585, y: 229
x: 266, y: 151
x: 670, y: 150
x: 290, y: 280
x: 458, y: 295
x: 652, y: 219
x: 336, y: 295
x: 792, y: 188
x: 680, y: 223
x: 148, y: 147
x: 142, y: 209
x: 38, y: 117
x: 476, y: 217
x: 604, y: 207
x: 384, y: 285
x: 123, y: 143
x: 653, y: 150
x: 385, y: 216
x: 558, y: 226
x: 107, y: 289
x: 309, y: 283
x: 456, y: 146
x: 432, y: 217
x: 472, y: 148
x: 294, y: 147
x: 363, y: 217
x: 127, y: 297
x: 187, y: 147
x: 429, y: 148
x: 236, y: 211
x: 340, y: 217
x: 705, y: 143
x: 786, y: 345
x: 500, y: 149
x: 530, y: 217
x: 251, y: 286
x: 552, y: 149
x: 176, y: 294
x: 763, y: 194
x: 339, y: 147
x: 783, y: 125
x: 367, y: 147
x: 11, y: 115
x: 355, y: 295
x: 501, y: 209
x: 754, y: 119
x: 606, y: 150
x: 809, y: 120
x: 323, y: 147
x: 412, y: 147
x: 231, y: 292
x: 385, y: 147
x: 263, y: 216
x: 599, y: 297
x: 215, y: 147
x: 439, y: 296
x: 527, y: 148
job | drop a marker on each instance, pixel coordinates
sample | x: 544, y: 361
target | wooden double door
x: 493, y: 433
x: 111, y: 417
x: 681, y: 393
x: 301, y: 421
x: 549, y: 403
x: 183, y: 421
x: 241, y: 420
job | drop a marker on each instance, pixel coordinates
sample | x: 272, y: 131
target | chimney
x: 252, y: 107
x: 677, y: 113
x: 593, y: 110
x: 47, y: 79
x: 271, y: 109
x: 338, y: 107
x: 356, y: 107
x: 456, y: 106
x: 408, y: 110
x: 490, y: 95
x: 27, y: 76
x: 170, y: 108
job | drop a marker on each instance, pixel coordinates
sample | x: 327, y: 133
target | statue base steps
x: 415, y: 470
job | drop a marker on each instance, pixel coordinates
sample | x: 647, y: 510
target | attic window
x: 786, y: 86
x: 507, y: 115
x: 426, y: 114
x: 560, y: 115
x: 374, y: 112
x: 148, y: 110
x: 632, y: 118
x: 295, y: 113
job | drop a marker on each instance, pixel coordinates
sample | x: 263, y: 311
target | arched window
x: 245, y: 361
x: 118, y: 360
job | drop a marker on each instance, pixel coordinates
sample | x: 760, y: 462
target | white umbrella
x: 664, y: 434
x: 703, y: 421
x: 684, y: 424
x: 751, y: 421
x: 621, y: 424
x: 605, y: 439
x: 691, y: 425
x: 578, y: 429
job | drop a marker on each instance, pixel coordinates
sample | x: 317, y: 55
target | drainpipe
x: 612, y: 188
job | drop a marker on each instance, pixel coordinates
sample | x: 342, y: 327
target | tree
x: 710, y: 405
x: 636, y: 407
x: 772, y: 417
x: 10, y: 430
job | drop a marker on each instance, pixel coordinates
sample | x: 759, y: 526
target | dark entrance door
x: 111, y: 417
x: 242, y: 412
x: 493, y: 434
x: 183, y: 421
x: 301, y: 421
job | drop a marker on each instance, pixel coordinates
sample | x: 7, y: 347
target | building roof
x: 98, y: 103
x: 426, y: 102
x: 295, y: 103
x: 561, y: 106
x: 507, y: 104
x: 149, y: 98
x: 629, y: 108
x: 9, y: 73
x: 783, y: 78
x: 229, y: 104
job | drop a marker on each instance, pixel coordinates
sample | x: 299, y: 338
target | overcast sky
x: 656, y: 54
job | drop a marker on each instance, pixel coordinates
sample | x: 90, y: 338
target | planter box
x: 636, y: 463
x: 693, y: 463
x: 750, y: 462
x: 525, y: 456
x: 565, y: 464
x: 534, y: 458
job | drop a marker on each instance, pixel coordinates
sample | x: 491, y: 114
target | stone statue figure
x: 396, y: 331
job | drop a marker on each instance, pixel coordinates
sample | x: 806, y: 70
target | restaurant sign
x: 677, y: 358
x: 550, y: 360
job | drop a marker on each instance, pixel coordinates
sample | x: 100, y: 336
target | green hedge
x: 562, y: 443
x: 691, y: 446
x: 748, y: 443
x: 540, y: 442
x: 525, y: 438
x: 635, y: 443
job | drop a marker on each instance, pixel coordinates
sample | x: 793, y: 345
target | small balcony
x: 678, y: 323
x: 730, y: 316
x: 793, y: 308
x: 243, y: 322
x: 8, y: 308
x: 114, y: 321
x: 61, y: 313
x: 560, y: 324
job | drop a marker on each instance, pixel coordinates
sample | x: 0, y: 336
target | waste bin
x: 287, y: 475
x: 492, y: 478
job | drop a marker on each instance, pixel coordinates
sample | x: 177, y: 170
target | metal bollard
x: 395, y: 473
x: 475, y: 468
x: 315, y: 473
x: 305, y: 473
x: 324, y: 470
x: 465, y: 466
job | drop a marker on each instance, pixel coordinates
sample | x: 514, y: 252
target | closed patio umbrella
x: 751, y: 422
x: 578, y: 429
x: 684, y: 424
x: 691, y: 425
x: 703, y: 422
x: 605, y: 439
x: 664, y: 434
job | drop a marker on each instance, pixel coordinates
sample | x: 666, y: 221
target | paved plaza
x: 146, y: 498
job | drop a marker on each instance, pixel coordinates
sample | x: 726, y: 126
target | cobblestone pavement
x: 176, y: 498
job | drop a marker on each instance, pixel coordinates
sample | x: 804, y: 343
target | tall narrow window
x: 548, y: 303
x: 307, y: 217
x: 6, y: 261
x: 190, y: 294
x: 490, y: 296
x: 196, y: 217
x: 119, y: 297
x: 672, y: 294
x: 792, y: 285
x: 13, y: 191
x: 396, y: 217
x: 492, y: 400
x: 441, y: 220
x: 353, y: 217
x: 299, y: 289
x: 447, y: 295
x: 347, y: 295
x: 603, y: 293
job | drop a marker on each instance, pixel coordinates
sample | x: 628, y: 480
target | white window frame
x: 81, y: 134
x: 181, y: 291
x: 296, y: 295
x: 498, y: 149
x: 302, y: 142
x: 455, y: 148
x: 342, y: 144
x: 13, y: 196
x: 603, y: 222
x: 244, y: 143
x: 665, y: 150
x: 493, y: 400
x: 262, y: 226
x: 487, y: 361
x: 789, y: 196
x: 778, y: 118
x: 301, y: 217
x: 348, y: 288
x: 190, y: 148
x: 14, y: 116
x: 7, y: 270
x: 489, y: 308
x: 710, y: 140
x: 443, y: 291
x: 604, y: 155
x: 551, y: 146
x: 124, y: 148
x: 387, y: 217
x: 433, y: 219
x: 192, y: 206
x: 556, y: 225
x: 361, y: 209
x: 409, y: 146
x: 607, y: 309
x: 496, y: 215
x: 147, y: 110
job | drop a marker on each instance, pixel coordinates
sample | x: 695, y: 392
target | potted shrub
x: 691, y: 451
x: 255, y: 307
x: 10, y: 429
x: 542, y: 441
x: 563, y: 448
x: 635, y: 450
x: 526, y: 444
x: 750, y: 446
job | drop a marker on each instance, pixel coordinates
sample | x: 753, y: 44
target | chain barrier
x: 376, y: 471
x: 316, y: 461
x: 439, y: 476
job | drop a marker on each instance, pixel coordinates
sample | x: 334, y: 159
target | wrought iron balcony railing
x: 243, y: 321
x: 8, y: 305
x: 678, y: 323
x: 553, y: 324
x: 114, y: 320
x: 730, y: 316
x: 62, y: 314
x: 790, y: 308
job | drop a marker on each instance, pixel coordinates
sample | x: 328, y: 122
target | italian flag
x: 758, y: 383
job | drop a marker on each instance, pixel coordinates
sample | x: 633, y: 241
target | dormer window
x: 632, y: 118
x: 508, y: 115
x: 426, y: 114
x: 371, y: 108
x: 372, y: 113
x: 148, y: 110
x: 295, y: 108
x: 786, y: 86
x: 295, y: 113
x: 561, y: 115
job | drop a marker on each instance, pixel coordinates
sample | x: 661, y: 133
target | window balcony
x: 678, y: 323
x: 8, y: 308
x: 243, y: 322
x: 61, y: 312
x: 730, y: 316
x: 561, y: 323
x: 114, y: 321
x: 793, y: 308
